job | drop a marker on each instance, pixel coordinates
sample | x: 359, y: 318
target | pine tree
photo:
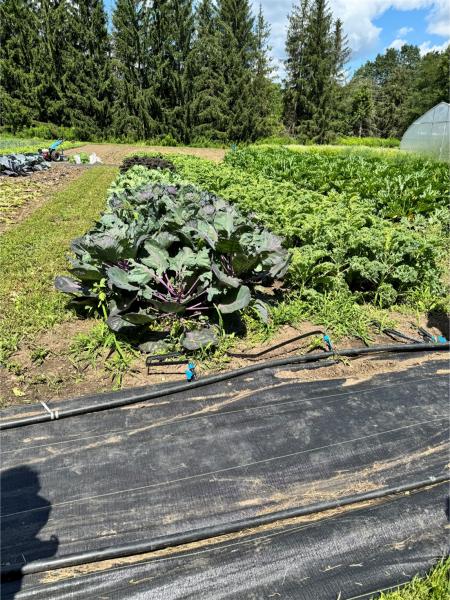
x: 134, y: 115
x: 18, y: 40
x: 238, y: 48
x: 171, y: 32
x: 49, y: 67
x: 341, y: 52
x: 317, y: 52
x: 207, y: 96
x: 296, y: 84
x: 341, y: 55
x: 87, y: 69
x: 264, y: 93
x: 320, y: 72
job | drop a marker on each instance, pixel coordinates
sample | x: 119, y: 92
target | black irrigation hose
x: 276, y: 346
x: 394, y: 334
x: 178, y: 539
x: 56, y: 414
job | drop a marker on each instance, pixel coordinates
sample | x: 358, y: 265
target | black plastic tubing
x: 134, y: 398
x: 196, y: 535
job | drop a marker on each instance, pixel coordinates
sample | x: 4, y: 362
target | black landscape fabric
x: 208, y: 457
x: 348, y: 556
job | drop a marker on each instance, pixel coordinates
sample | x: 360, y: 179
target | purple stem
x: 192, y: 286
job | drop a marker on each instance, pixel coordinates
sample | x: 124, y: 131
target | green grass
x: 33, y: 252
x: 435, y: 586
x: 15, y: 145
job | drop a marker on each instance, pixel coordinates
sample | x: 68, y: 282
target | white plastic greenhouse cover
x: 430, y: 133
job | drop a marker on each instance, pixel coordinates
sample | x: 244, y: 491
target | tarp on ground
x: 247, y: 447
x: 351, y: 555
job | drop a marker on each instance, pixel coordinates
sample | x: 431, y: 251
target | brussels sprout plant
x: 171, y: 249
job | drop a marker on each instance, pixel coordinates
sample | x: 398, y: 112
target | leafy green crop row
x: 372, y: 142
x: 397, y: 186
x: 340, y: 241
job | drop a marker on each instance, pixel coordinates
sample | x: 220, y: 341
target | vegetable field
x: 217, y: 263
x: 190, y: 253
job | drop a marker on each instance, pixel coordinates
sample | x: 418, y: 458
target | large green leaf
x: 118, y: 324
x: 71, y: 286
x: 168, y: 307
x: 237, y: 300
x: 140, y: 274
x: 225, y: 279
x: 119, y: 278
x: 207, y: 232
x: 224, y: 221
x: 157, y: 258
x: 139, y: 318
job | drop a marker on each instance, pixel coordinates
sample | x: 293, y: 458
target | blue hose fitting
x: 327, y: 340
x: 190, y: 372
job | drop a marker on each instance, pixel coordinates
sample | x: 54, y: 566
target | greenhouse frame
x: 430, y: 133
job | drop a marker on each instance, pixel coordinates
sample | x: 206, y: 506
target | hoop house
x: 430, y: 133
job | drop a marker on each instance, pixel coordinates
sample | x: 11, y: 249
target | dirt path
x: 113, y: 154
x: 21, y: 196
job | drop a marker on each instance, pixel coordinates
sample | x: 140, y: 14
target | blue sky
x: 371, y: 25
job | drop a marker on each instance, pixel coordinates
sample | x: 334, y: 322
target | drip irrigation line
x: 276, y: 346
x: 204, y: 533
x: 396, y: 335
x: 134, y: 398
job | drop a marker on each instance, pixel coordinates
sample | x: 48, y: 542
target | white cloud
x: 397, y: 44
x: 404, y: 31
x: 359, y: 18
x: 429, y: 47
x: 439, y: 18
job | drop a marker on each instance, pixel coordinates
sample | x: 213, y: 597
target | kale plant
x: 170, y: 249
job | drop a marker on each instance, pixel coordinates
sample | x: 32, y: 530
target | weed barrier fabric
x: 352, y: 554
x: 208, y: 457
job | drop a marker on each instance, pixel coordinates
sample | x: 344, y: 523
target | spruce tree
x: 207, y: 96
x: 170, y: 34
x: 134, y: 114
x: 87, y: 69
x: 49, y: 68
x: 317, y: 51
x: 238, y: 48
x: 264, y: 92
x: 18, y: 40
x: 296, y: 84
x: 341, y: 54
x: 320, y: 72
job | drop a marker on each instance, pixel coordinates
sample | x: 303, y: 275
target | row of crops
x: 184, y: 239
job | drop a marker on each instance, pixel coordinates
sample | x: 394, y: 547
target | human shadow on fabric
x: 24, y: 512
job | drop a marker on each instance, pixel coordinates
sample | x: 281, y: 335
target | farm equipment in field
x: 52, y: 153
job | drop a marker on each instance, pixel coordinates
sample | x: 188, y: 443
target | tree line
x: 191, y: 73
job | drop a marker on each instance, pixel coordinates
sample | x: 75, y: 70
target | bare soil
x: 59, y: 375
x: 21, y: 196
x: 113, y: 154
